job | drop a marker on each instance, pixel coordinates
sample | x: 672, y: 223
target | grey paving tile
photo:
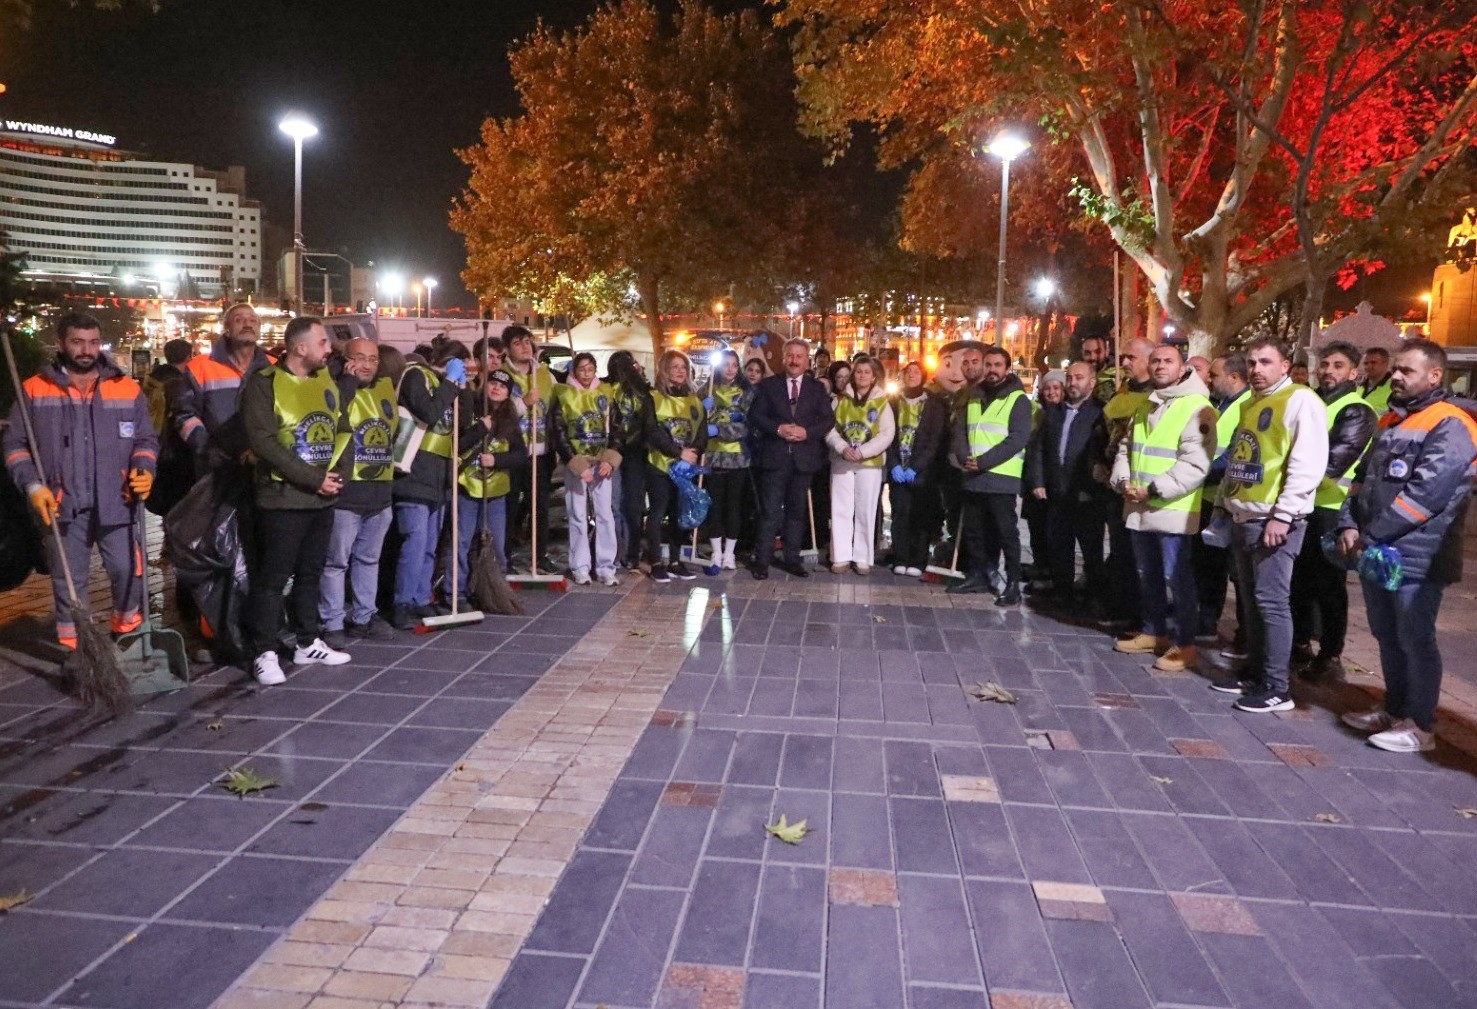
x: 374, y: 709
x: 863, y: 969
x: 1392, y: 957
x: 738, y: 822
x: 769, y: 697
x: 1346, y: 795
x: 816, y: 699
x: 628, y: 964
x: 983, y: 840
x: 1138, y: 731
x: 426, y: 672
x: 1240, y: 859
x: 715, y: 929
x: 1096, y: 965
x: 343, y: 740
x: 1315, y: 876
x: 175, y: 965
x: 218, y: 734
x: 670, y: 853
x: 860, y: 835
x: 539, y: 982
x: 1313, y: 950
x: 416, y: 744
x: 324, y: 830
x: 806, y: 762
x: 1013, y: 947
x: 937, y: 945
x: 655, y: 753
x: 1167, y: 958
x: 1047, y: 847
x: 257, y: 890
x: 380, y: 784
x: 623, y: 819
x: 1093, y: 730
x: 1069, y: 776
x: 812, y: 806
x: 460, y: 713
x: 924, y: 997
x: 489, y: 687
x: 905, y: 702
x: 781, y: 991
x: 731, y: 694
x: 1186, y: 791
x: 1109, y: 851
x: 706, y: 756
x: 859, y: 765
x: 98, y: 818
x: 128, y: 882
x: 920, y: 830
x: 53, y: 948
x: 1016, y: 774
x: 1173, y: 854
x: 1267, y: 985
x: 1431, y: 867
x: 1447, y: 943
x: 33, y: 867
x: 789, y: 928
x: 1234, y: 787
x: 573, y: 918
x: 860, y: 701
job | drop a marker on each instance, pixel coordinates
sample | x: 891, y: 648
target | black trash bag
x: 206, y: 535
x: 22, y: 550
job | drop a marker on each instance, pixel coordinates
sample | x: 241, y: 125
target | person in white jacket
x: 1277, y: 457
x: 864, y: 429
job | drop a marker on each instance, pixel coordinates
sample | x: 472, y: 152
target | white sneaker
x: 900, y: 569
x: 1404, y: 737
x: 582, y: 577
x: 608, y: 579
x: 729, y: 564
x: 318, y: 652
x: 914, y: 572
x: 268, y: 670
x: 863, y: 569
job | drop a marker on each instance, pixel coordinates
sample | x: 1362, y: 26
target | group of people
x: 1196, y: 474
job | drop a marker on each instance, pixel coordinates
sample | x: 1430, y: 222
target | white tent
x: 603, y: 338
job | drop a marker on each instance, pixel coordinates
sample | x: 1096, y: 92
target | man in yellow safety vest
x: 1375, y: 389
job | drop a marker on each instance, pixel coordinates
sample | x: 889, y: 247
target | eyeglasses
x: 365, y: 358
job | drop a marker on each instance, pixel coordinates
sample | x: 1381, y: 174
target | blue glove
x: 909, y: 475
x: 708, y: 404
x: 456, y: 371
x: 712, y: 430
x: 898, y: 475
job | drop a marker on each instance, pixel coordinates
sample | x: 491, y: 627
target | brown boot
x: 1177, y: 659
x: 1136, y: 644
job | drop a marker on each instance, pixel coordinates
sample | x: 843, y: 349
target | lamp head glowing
x: 298, y: 126
x: 1045, y: 287
x: 430, y: 283
x: 392, y: 284
x: 1008, y: 146
x: 718, y: 308
x: 794, y: 306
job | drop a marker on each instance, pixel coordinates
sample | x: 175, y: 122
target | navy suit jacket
x: 771, y: 408
x: 1065, y: 478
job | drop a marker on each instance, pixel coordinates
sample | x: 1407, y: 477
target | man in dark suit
x: 788, y: 421
x: 1060, y: 472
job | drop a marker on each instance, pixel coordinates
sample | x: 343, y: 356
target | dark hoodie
x: 983, y: 481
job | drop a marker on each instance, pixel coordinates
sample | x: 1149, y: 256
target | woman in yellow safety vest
x: 491, y: 447
x: 585, y: 435
x: 676, y: 428
x: 864, y: 429
x: 728, y: 457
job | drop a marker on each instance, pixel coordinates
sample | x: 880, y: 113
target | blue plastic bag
x: 1382, y: 566
x: 692, y: 501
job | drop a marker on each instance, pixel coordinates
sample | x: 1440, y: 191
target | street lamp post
x: 299, y: 128
x: 430, y: 285
x: 794, y: 307
x: 1007, y: 147
x: 416, y: 289
x: 718, y: 309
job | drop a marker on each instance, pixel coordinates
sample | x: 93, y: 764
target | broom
x: 455, y: 618
x: 486, y: 586
x: 93, y: 667
x: 534, y: 580
x: 933, y: 574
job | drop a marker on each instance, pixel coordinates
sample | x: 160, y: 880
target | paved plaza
x: 568, y: 810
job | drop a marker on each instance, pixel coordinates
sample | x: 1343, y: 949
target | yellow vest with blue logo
x: 307, y: 412
x: 1378, y: 398
x: 726, y: 411
x: 437, y: 440
x: 538, y: 414
x: 681, y: 416
x: 1257, y: 458
x: 988, y: 427
x: 1153, y: 451
x: 482, y: 482
x: 909, y: 416
x: 586, y: 415
x: 858, y: 423
x: 1226, y: 423
x: 1333, y: 490
x: 372, y: 418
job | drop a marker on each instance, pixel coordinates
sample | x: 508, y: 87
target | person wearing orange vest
x: 1160, y: 471
x: 1410, y: 494
x: 206, y: 405
x: 97, y: 445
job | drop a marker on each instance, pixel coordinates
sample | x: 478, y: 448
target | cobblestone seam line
x: 433, y: 912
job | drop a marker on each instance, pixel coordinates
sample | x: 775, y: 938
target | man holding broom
x: 97, y: 448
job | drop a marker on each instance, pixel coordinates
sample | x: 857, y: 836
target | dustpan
x: 153, y: 658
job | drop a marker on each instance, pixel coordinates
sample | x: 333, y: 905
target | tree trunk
x: 1312, y: 309
x: 650, y: 290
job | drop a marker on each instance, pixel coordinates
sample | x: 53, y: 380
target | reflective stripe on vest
x: 1225, y: 425
x: 726, y: 411
x: 373, y: 418
x: 437, y: 440
x: 680, y: 415
x: 1153, y: 451
x: 585, y: 413
x: 909, y: 416
x: 482, y: 482
x: 1333, y: 490
x: 307, y: 412
x: 1259, y: 449
x: 858, y: 423
x: 989, y: 427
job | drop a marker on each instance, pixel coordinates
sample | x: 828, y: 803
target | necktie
x: 794, y: 391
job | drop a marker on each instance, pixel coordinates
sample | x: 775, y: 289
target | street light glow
x: 1045, y: 287
x: 1008, y: 146
x: 298, y: 126
x: 717, y: 308
x: 393, y: 284
x: 794, y: 306
x: 430, y: 283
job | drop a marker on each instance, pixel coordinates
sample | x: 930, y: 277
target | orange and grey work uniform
x: 87, y: 445
x: 206, y: 405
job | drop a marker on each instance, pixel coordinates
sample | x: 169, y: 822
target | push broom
x: 534, y: 580
x: 934, y: 574
x: 455, y: 618
x: 93, y: 666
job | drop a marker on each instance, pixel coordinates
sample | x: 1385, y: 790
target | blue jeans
x: 471, y: 514
x: 1165, y: 570
x: 419, y: 526
x: 353, y: 551
x: 1404, y: 623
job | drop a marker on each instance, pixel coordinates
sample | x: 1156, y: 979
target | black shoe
x: 1325, y: 669
x: 1011, y: 596
x: 1234, y: 685
x: 1302, y: 655
x: 337, y: 640
x: 759, y: 571
x: 659, y: 574
x: 972, y: 585
x: 403, y: 618
x: 794, y: 568
x: 682, y: 571
x: 375, y: 630
x: 1265, y: 700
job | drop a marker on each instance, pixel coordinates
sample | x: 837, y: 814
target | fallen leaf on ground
x: 991, y: 691
x: 14, y: 900
x: 216, y: 726
x: 879, y: 620
x: 1162, y: 781
x: 1466, y: 813
x: 1328, y: 818
x: 790, y: 833
x: 243, y: 781
x: 636, y: 632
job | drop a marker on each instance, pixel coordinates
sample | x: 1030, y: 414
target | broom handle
x: 958, y: 538
x: 699, y: 525
x: 456, y: 540
x: 20, y: 398
x: 815, y: 543
x: 147, y: 626
x: 533, y: 493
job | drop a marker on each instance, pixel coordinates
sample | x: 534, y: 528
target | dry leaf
x: 636, y: 632
x: 879, y: 620
x: 1465, y: 812
x: 14, y: 900
x: 991, y: 691
x: 1161, y: 781
x: 790, y: 833
x: 1328, y: 818
x: 243, y: 781
x: 216, y: 726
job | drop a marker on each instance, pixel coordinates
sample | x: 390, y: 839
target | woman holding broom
x: 677, y: 428
x: 585, y: 434
x: 492, y: 446
x: 728, y: 457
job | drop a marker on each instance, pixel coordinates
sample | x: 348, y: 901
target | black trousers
x: 1123, y: 574
x: 991, y: 530
x: 1072, y: 525
x: 1320, y: 591
x: 913, y: 506
x: 520, y: 502
x: 290, y: 544
x: 635, y: 471
x: 1212, y: 580
x: 782, y: 512
x: 729, y: 489
x: 820, y: 496
x: 1033, y: 510
x: 661, y: 514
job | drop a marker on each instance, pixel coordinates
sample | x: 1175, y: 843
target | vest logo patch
x: 1244, y: 463
x: 589, y: 428
x: 125, y: 429
x: 855, y: 432
x: 1399, y: 469
x: 313, y: 438
x: 372, y: 449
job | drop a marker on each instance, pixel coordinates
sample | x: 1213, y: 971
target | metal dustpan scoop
x: 154, y: 659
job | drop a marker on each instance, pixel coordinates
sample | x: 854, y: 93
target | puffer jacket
x: 86, y: 446
x: 1019, y: 433
x: 1197, y: 445
x: 1351, y: 430
x: 206, y: 405
x: 1411, y: 490
x: 429, y: 479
